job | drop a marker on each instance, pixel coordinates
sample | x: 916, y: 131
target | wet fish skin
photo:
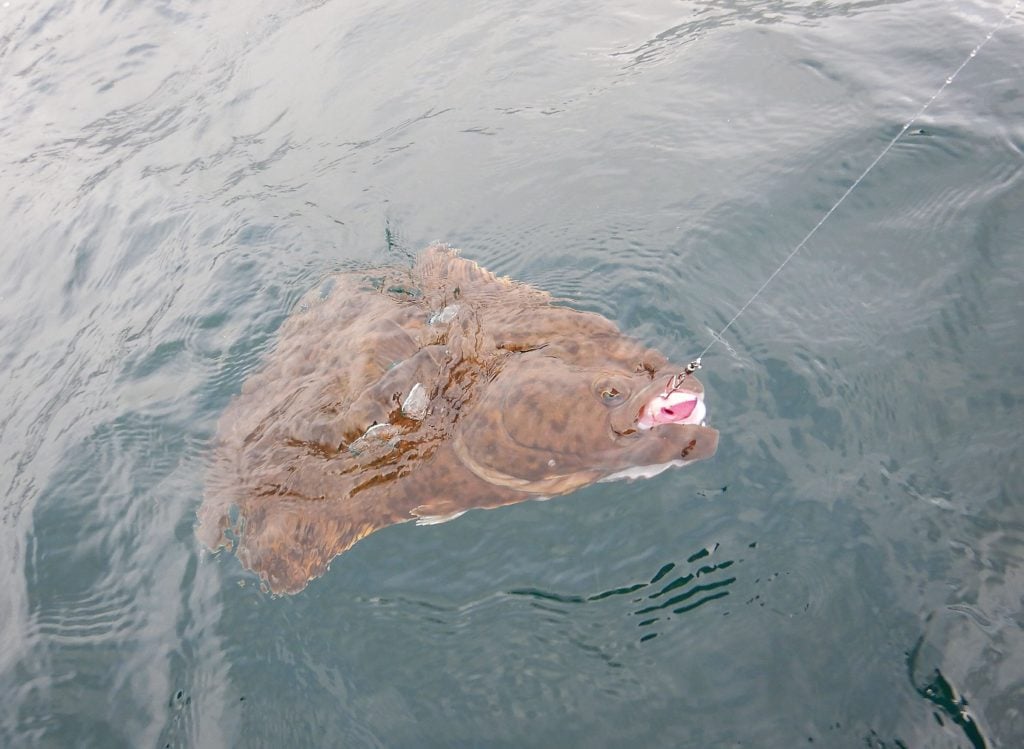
x: 526, y: 399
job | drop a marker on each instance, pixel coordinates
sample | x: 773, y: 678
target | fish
x: 418, y: 393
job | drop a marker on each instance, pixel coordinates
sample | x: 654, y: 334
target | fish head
x: 572, y: 413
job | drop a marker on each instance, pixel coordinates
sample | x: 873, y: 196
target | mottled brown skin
x: 527, y: 400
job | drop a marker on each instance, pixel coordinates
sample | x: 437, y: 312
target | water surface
x: 847, y: 570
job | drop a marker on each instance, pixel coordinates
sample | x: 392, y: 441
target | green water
x: 847, y: 571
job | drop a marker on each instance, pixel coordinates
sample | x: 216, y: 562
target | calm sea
x: 847, y: 571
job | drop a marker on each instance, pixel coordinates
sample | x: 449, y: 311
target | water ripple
x: 692, y: 587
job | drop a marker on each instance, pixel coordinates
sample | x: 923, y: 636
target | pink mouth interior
x: 677, y: 407
x: 678, y: 411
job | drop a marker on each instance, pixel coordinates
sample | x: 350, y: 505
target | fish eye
x: 610, y: 394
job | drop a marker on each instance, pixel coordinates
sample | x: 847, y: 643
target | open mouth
x: 679, y: 407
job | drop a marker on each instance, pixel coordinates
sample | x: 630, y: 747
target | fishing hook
x: 675, y: 382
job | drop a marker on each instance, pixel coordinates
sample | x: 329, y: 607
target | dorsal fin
x: 445, y: 277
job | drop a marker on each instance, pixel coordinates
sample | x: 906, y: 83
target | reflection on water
x: 690, y: 587
x: 945, y: 697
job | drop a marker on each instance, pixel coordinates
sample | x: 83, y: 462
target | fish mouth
x: 676, y: 407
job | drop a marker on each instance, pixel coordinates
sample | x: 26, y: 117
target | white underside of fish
x: 438, y: 519
x: 642, y: 472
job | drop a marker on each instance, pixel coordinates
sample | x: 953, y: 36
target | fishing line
x: 949, y: 79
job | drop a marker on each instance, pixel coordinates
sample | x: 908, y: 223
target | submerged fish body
x: 424, y: 394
